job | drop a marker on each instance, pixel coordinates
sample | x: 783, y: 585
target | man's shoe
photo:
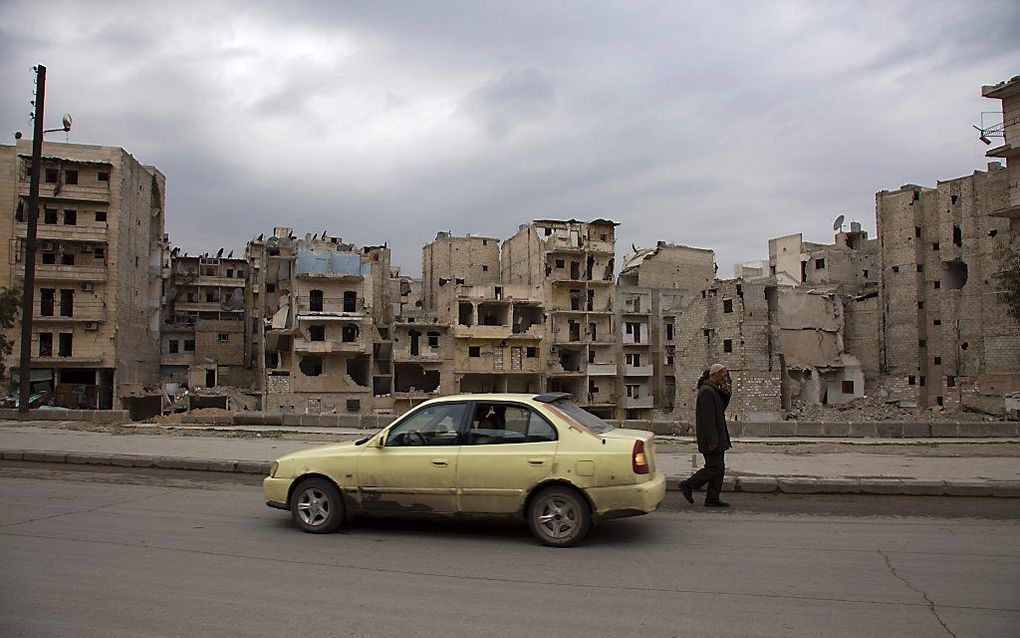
x: 716, y: 504
x: 688, y: 492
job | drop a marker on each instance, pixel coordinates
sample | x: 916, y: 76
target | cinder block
x: 881, y: 486
x: 836, y: 429
x: 169, y: 463
x: 924, y: 488
x: 143, y: 461
x: 93, y: 458
x: 12, y: 455
x: 889, y: 429
x: 916, y: 430
x: 79, y: 458
x: 797, y: 485
x: 945, y: 430
x: 122, y: 460
x: 201, y: 465
x: 219, y: 465
x: 755, y: 429
x: 292, y: 420
x: 969, y: 488
x: 253, y: 467
x: 1001, y: 429
x: 862, y: 430
x: 1006, y: 489
x: 809, y: 428
x: 838, y: 485
x: 756, y: 484
x: 38, y: 456
x: 729, y: 484
x: 782, y: 428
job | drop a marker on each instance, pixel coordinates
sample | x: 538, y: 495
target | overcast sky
x: 716, y: 125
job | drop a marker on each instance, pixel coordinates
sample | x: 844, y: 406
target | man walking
x: 713, y: 436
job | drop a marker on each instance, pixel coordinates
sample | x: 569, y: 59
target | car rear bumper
x: 629, y: 500
x: 276, y: 490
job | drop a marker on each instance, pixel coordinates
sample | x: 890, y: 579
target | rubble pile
x: 868, y: 409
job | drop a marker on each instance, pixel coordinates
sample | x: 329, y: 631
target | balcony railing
x: 60, y: 272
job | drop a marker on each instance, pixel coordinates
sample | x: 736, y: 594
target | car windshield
x: 584, y: 418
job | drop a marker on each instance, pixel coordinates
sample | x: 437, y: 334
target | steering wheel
x: 413, y: 437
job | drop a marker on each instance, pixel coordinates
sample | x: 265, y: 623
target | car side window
x: 497, y: 423
x: 432, y: 425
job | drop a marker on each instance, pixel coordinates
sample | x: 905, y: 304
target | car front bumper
x: 628, y: 500
x: 276, y: 490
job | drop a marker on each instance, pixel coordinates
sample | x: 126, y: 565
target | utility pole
x: 28, y: 292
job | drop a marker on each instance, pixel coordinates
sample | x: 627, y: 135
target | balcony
x: 638, y: 371
x: 225, y: 282
x: 645, y: 401
x: 59, y: 272
x: 70, y: 192
x: 203, y: 306
x: 602, y: 369
x: 79, y: 233
x: 177, y: 359
x: 79, y: 313
x: 304, y: 346
x: 42, y: 362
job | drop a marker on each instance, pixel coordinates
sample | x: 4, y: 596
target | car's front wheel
x: 559, y: 517
x: 317, y: 506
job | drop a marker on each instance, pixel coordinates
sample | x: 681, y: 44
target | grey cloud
x: 515, y: 97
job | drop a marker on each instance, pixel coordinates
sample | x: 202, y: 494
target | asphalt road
x: 121, y: 553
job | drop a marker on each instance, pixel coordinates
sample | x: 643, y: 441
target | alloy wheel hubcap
x: 557, y: 518
x: 313, y: 507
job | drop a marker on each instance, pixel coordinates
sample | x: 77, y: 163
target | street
x: 101, y: 552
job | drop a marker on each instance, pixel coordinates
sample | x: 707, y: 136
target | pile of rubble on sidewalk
x: 877, y: 409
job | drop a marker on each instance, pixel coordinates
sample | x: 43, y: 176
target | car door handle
x: 439, y: 462
x: 536, y: 461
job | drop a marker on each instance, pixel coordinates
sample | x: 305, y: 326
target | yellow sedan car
x: 537, y: 457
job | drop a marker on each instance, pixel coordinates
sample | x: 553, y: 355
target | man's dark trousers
x: 711, y: 474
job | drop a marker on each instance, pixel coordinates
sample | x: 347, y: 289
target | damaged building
x: 100, y: 254
x: 572, y: 262
x: 322, y: 302
x: 203, y: 341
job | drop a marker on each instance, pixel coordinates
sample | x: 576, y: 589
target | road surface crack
x: 71, y: 513
x: 924, y: 594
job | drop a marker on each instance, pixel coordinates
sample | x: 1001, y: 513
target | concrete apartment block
x: 947, y: 339
x: 573, y: 262
x: 96, y: 323
x: 204, y: 308
x: 851, y: 262
x: 457, y: 260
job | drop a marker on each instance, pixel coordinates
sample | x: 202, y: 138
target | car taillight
x: 637, y: 458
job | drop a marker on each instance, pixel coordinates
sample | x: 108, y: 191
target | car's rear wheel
x: 317, y: 506
x: 559, y: 517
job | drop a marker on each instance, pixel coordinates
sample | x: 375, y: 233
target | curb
x: 749, y: 484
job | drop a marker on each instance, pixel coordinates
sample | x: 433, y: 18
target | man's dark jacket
x: 710, y: 418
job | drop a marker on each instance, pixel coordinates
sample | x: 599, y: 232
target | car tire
x: 317, y: 506
x: 559, y: 517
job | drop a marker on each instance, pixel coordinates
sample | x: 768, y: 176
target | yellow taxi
x: 540, y: 458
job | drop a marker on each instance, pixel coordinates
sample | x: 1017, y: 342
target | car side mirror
x: 380, y: 441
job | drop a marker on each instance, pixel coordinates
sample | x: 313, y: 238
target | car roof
x: 500, y: 396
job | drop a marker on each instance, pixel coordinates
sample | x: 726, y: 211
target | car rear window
x: 582, y: 417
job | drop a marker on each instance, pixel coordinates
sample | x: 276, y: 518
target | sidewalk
x: 842, y: 472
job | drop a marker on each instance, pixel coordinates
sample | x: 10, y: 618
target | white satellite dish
x: 838, y: 224
x: 67, y: 121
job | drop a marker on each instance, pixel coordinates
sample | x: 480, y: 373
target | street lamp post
x: 28, y: 293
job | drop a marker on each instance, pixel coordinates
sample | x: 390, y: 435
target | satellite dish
x: 67, y: 121
x: 838, y: 224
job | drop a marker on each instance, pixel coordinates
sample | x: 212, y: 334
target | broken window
x: 531, y: 353
x: 950, y: 381
x: 349, y: 333
x: 45, y: 344
x: 353, y: 405
x: 575, y: 299
x: 67, y: 259
x: 937, y: 284
x: 52, y: 175
x: 315, y: 300
x: 70, y: 217
x: 848, y: 387
x: 955, y: 273
x: 921, y: 381
x: 485, y: 268
x: 593, y: 331
x: 350, y: 301
x: 727, y: 345
x: 64, y: 348
x: 935, y: 246
x: 174, y: 346
x: 189, y: 345
x: 46, y: 302
x: 920, y: 305
x: 66, y: 302
x: 49, y: 258
x: 936, y: 322
x: 669, y: 332
x: 415, y: 342
x: 957, y: 236
x: 317, y: 333
x: 634, y: 391
x: 223, y: 337
x: 917, y: 231
x: 311, y: 366
x: 559, y: 263
x: 819, y: 264
x: 71, y: 177
x: 920, y: 267
x: 911, y: 380
x: 474, y: 351
x: 921, y: 343
x: 50, y: 216
x: 433, y: 339
x: 895, y: 268
x: 103, y: 176
x: 727, y: 305
x: 937, y: 361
